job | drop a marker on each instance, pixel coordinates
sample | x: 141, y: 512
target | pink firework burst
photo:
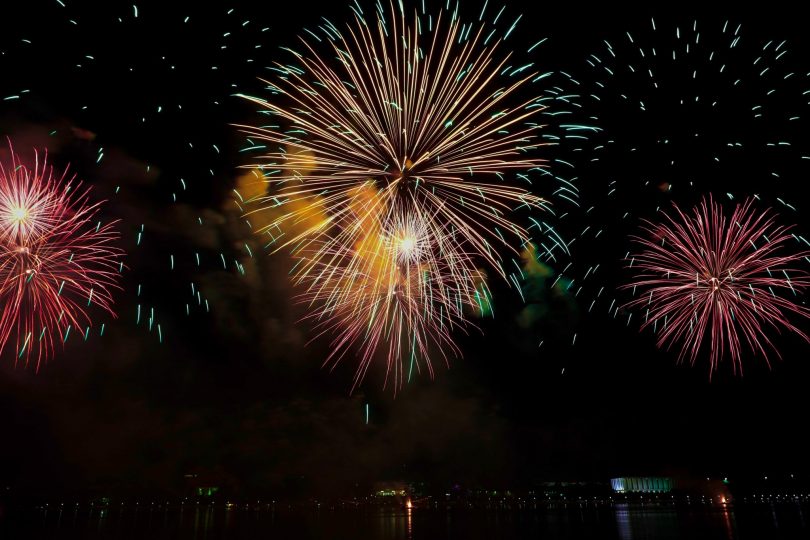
x: 706, y: 280
x: 57, y: 260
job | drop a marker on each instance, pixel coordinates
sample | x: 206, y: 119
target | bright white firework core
x: 407, y: 245
x: 19, y: 214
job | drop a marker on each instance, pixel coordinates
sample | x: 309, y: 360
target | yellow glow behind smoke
x: 251, y: 185
x: 309, y: 212
x: 531, y: 265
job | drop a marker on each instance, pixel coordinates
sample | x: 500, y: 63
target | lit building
x: 203, y: 485
x: 393, y: 493
x: 391, y: 489
x: 641, y: 484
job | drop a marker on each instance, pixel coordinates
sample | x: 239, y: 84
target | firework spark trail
x: 220, y: 35
x: 56, y: 259
x: 726, y: 279
x: 686, y: 107
x: 392, y: 291
x: 432, y: 123
x: 697, y: 96
x: 399, y: 124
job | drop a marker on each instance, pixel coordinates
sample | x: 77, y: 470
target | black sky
x: 237, y: 393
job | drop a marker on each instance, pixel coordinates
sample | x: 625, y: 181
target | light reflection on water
x: 620, y: 521
x: 640, y: 523
x: 396, y: 524
x: 728, y: 521
x: 635, y: 523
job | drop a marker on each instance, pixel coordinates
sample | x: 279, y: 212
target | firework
x: 685, y: 107
x: 392, y: 292
x: 680, y: 102
x: 422, y: 118
x: 56, y: 259
x: 163, y: 236
x: 399, y: 119
x: 709, y: 281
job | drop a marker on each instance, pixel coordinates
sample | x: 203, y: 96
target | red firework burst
x: 707, y: 280
x: 56, y: 260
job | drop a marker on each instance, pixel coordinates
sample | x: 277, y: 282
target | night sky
x: 238, y: 393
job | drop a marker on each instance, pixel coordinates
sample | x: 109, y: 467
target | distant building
x: 202, y: 485
x: 391, y: 489
x: 393, y: 493
x: 641, y: 484
x: 571, y: 489
x: 207, y: 491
